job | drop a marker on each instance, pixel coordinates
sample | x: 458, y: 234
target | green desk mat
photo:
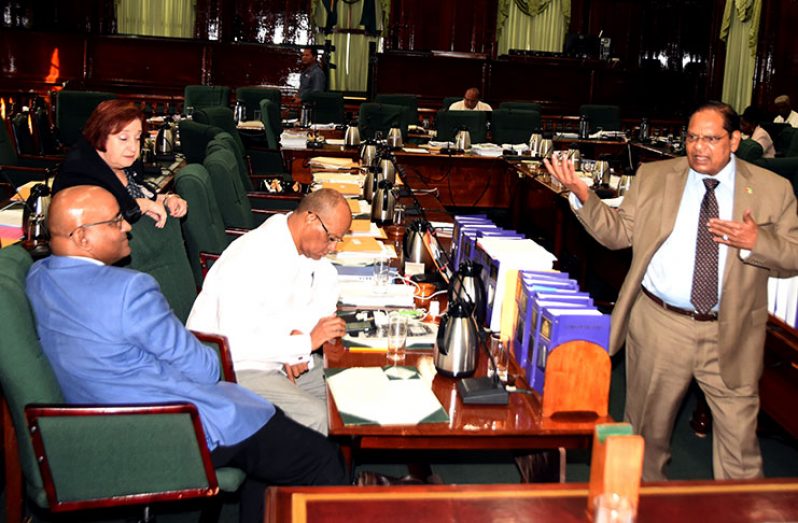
x: 439, y: 416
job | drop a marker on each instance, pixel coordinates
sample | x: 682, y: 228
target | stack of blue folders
x: 552, y: 311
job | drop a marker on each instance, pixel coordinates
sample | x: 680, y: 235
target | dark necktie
x: 705, y: 275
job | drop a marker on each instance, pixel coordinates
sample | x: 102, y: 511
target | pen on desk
x: 368, y: 349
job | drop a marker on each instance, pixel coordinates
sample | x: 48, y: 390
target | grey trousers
x: 664, y: 351
x: 304, y: 401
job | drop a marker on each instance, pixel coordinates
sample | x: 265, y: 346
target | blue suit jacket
x: 111, y: 338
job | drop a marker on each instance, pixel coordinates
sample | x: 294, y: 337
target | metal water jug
x: 534, y: 144
x: 383, y: 204
x: 395, y: 138
x: 462, y: 140
x: 467, y: 286
x: 413, y: 244
x: 368, y: 153
x: 306, y: 115
x: 352, y: 135
x: 370, y: 184
x: 455, y: 351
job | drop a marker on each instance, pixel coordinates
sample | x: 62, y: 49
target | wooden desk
x: 518, y: 425
x: 731, y: 502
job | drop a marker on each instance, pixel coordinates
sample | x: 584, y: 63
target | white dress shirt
x: 461, y: 106
x: 259, y: 292
x: 792, y: 119
x: 670, y: 272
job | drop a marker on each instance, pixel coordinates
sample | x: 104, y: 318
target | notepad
x: 360, y: 245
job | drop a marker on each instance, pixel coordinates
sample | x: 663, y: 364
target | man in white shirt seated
x: 784, y: 108
x: 470, y: 102
x: 750, y: 126
x: 274, y: 297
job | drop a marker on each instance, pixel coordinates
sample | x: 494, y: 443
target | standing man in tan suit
x: 694, y: 303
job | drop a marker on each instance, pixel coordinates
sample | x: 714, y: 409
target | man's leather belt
x: 697, y: 316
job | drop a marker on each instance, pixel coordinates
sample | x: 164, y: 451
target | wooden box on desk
x: 617, y: 463
x: 577, y: 379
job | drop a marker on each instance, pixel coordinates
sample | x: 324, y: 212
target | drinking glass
x: 397, y: 336
x: 381, y: 276
x: 498, y: 351
x: 613, y: 508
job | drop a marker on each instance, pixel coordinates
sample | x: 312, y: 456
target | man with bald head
x: 470, y: 102
x: 274, y: 297
x: 784, y: 110
x: 111, y: 338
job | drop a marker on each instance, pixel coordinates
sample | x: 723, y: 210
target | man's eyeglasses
x: 330, y: 237
x: 116, y: 221
x: 706, y: 140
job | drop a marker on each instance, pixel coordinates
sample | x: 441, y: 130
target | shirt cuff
x: 575, y: 203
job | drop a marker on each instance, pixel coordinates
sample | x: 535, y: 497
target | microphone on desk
x: 487, y: 390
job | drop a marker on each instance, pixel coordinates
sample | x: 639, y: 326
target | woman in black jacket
x: 108, y: 155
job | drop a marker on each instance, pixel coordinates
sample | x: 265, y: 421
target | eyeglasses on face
x: 116, y: 221
x: 706, y: 140
x: 331, y: 238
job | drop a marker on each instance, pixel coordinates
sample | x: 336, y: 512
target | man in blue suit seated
x: 112, y: 339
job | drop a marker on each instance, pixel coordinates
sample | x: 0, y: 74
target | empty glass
x: 381, y: 276
x: 397, y: 337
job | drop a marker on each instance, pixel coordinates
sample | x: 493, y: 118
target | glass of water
x: 397, y: 337
x: 381, y: 272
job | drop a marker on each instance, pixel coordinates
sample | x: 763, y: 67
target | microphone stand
x: 487, y: 390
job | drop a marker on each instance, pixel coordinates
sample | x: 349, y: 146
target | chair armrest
x: 109, y: 455
x: 222, y: 347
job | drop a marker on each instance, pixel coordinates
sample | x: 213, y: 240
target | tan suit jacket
x: 644, y: 221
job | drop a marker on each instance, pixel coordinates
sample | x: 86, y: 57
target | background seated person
x: 749, y: 125
x: 470, y: 102
x: 108, y: 155
x: 785, y: 112
x: 274, y: 297
x: 111, y: 338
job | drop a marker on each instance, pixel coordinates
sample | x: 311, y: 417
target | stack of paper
x: 364, y: 294
x: 361, y: 227
x: 487, y: 149
x: 294, y: 140
x: 360, y: 245
x: 367, y: 395
x: 332, y: 162
x: 251, y: 125
x: 338, y: 177
x: 348, y: 190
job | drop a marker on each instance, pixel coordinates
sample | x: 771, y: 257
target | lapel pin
x: 748, y: 190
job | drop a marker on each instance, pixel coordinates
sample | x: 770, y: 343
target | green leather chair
x: 605, y: 117
x: 408, y: 101
x: 272, y: 125
x: 161, y: 253
x: 259, y: 161
x: 749, y: 150
x: 194, y: 139
x: 327, y: 107
x: 231, y: 196
x: 514, y: 125
x: 224, y: 141
x: 252, y: 96
x: 522, y: 106
x: 200, y: 96
x: 449, y: 122
x: 203, y: 227
x: 72, y: 109
x: 379, y: 117
x: 78, y: 457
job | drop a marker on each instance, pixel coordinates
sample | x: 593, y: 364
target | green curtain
x: 532, y: 25
x: 171, y: 18
x: 740, y: 30
x: 351, y: 49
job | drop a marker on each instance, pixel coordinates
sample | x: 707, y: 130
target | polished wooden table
x: 704, y: 501
x: 518, y: 425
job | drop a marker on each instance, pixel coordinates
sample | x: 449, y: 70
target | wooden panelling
x: 777, y: 53
x: 253, y: 64
x: 39, y: 59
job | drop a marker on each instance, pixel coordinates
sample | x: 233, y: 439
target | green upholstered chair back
x: 523, y: 106
x: 606, y: 117
x: 194, y: 138
x: 449, y: 122
x: 272, y: 126
x: 408, y: 101
x: 224, y: 141
x: 780, y: 133
x: 203, y: 226
x: 72, y: 109
x: 327, y: 107
x: 380, y: 117
x: 228, y: 190
x: 8, y: 152
x: 749, y: 150
x: 514, y: 125
x: 449, y: 100
x: 161, y: 253
x: 25, y: 373
x: 199, y: 96
x: 221, y: 117
x: 22, y: 134
x: 792, y: 149
x: 252, y: 96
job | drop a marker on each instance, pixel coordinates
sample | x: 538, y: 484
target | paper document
x: 364, y: 294
x: 371, y: 396
x: 331, y: 162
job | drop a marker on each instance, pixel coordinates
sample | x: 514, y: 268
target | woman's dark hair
x: 753, y: 115
x: 110, y: 117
